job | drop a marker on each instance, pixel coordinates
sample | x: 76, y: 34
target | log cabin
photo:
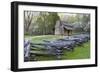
x: 63, y: 28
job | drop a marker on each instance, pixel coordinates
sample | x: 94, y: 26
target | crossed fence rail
x: 55, y: 47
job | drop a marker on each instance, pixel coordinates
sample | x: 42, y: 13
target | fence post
x: 26, y: 50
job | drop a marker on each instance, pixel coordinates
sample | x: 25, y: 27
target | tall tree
x: 28, y: 16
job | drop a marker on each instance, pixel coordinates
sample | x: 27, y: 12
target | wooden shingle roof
x: 67, y: 26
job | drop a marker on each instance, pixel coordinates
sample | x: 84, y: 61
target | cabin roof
x: 67, y: 26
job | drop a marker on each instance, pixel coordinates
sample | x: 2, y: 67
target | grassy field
x: 80, y: 52
x: 39, y: 39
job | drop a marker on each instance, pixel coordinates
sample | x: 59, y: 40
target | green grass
x: 39, y: 39
x: 80, y: 52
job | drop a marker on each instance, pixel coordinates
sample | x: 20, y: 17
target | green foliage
x: 71, y: 19
x: 45, y: 23
x: 83, y: 18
